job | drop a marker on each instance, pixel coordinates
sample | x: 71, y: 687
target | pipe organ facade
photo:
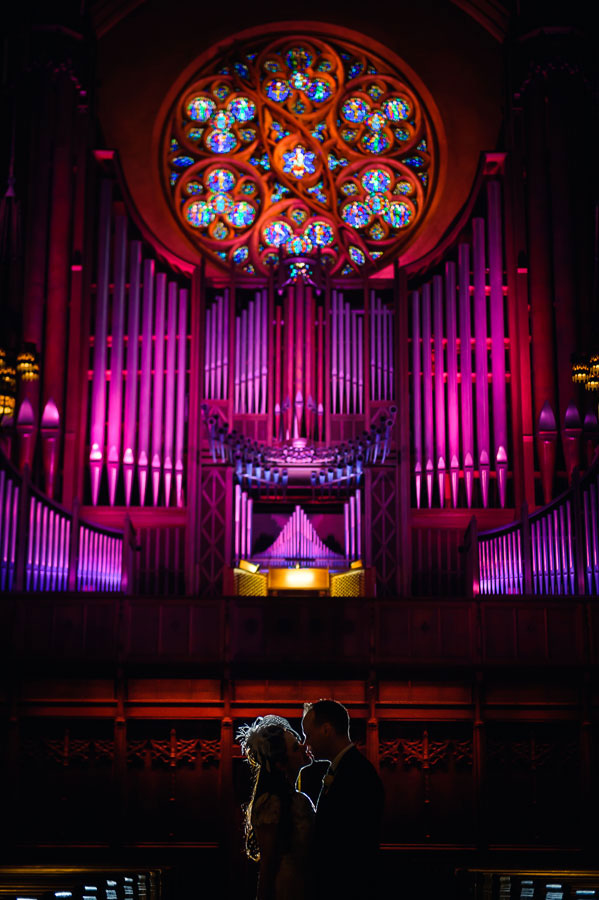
x: 299, y: 368
x: 319, y: 356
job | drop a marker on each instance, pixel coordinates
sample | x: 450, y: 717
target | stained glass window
x: 303, y: 146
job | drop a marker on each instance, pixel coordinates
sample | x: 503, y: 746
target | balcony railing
x: 43, y: 547
x: 553, y: 551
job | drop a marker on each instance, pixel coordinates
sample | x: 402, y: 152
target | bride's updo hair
x: 263, y: 745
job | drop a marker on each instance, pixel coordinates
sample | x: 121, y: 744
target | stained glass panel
x: 300, y: 145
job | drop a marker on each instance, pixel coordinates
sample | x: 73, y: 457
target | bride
x: 279, y: 819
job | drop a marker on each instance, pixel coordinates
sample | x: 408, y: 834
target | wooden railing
x: 43, y: 547
x: 553, y: 551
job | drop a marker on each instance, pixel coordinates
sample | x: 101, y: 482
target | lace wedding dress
x: 293, y: 870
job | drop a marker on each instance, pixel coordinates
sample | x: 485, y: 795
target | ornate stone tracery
x: 302, y: 146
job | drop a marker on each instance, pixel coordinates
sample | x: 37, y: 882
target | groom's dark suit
x: 347, y: 832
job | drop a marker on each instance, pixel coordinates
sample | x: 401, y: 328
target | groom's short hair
x: 329, y: 711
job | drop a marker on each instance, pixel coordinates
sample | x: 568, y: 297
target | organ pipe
x: 98, y: 397
x: 480, y: 354
x: 466, y: 371
x: 181, y: 373
x: 439, y: 387
x: 130, y: 429
x: 170, y: 400
x: 417, y: 395
x: 497, y: 338
x: 158, y: 386
x: 452, y: 382
x: 115, y: 395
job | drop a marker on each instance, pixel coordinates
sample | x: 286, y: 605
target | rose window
x: 304, y: 147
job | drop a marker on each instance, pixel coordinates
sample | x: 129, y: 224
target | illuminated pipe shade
x: 115, y: 390
x: 98, y: 393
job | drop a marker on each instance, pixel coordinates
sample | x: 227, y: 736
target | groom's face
x: 317, y: 736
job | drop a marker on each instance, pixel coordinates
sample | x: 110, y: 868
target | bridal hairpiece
x: 256, y: 739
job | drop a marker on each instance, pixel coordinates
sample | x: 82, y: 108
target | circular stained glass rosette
x: 222, y: 120
x: 378, y: 204
x: 220, y: 180
x: 396, y: 109
x: 298, y: 245
x: 221, y: 141
x: 242, y: 109
x: 299, y: 81
x: 242, y: 214
x: 319, y: 91
x: 277, y: 90
x: 320, y: 234
x: 299, y: 58
x: 355, y: 109
x: 199, y: 214
x: 277, y: 233
x: 221, y: 204
x: 398, y: 215
x: 356, y: 214
x: 376, y: 181
x: 375, y: 142
x: 345, y: 114
x: 376, y: 121
x: 200, y: 109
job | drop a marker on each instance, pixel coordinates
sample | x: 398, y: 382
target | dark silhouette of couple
x: 306, y: 853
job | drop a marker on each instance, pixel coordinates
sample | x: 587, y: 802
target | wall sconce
x: 28, y: 367
x: 585, y: 370
x: 8, y: 386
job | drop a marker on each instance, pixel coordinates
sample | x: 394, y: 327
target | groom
x: 349, y: 810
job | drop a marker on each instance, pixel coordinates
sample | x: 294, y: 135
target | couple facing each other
x: 327, y: 852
